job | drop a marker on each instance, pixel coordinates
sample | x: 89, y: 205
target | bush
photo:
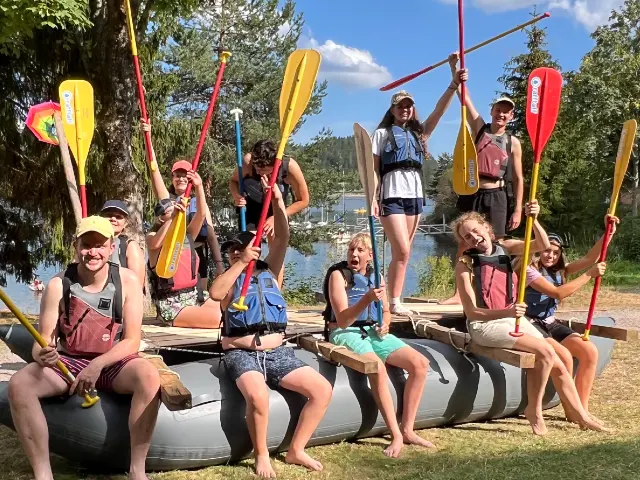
x: 436, y: 277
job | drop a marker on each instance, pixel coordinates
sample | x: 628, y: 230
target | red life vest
x: 186, y: 276
x: 90, y: 324
x: 494, y: 153
x: 494, y: 281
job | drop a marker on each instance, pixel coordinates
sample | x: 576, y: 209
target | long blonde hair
x: 466, y: 217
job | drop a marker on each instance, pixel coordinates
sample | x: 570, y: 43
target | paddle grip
x: 224, y: 56
x: 596, y: 286
x: 403, y: 80
x: 41, y: 341
x: 258, y: 238
x: 376, y: 266
x: 243, y: 218
x: 83, y: 200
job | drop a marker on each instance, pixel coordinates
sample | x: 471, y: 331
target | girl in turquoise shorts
x: 351, y: 323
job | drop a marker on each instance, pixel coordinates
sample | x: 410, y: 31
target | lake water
x: 298, y: 266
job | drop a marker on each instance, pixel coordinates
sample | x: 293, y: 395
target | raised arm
x: 223, y: 284
x: 430, y: 124
x: 593, y: 255
x: 157, y: 184
x: 518, y: 183
x: 541, y: 240
x: 234, y: 182
x: 300, y: 189
x: 278, y: 247
x: 561, y: 292
x: 201, y: 204
x: 475, y: 120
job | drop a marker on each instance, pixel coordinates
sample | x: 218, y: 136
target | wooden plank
x: 338, y: 355
x: 616, y: 333
x: 447, y: 336
x: 173, y: 393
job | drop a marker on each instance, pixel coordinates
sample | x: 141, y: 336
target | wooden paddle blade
x: 301, y: 83
x: 627, y: 140
x: 543, y: 104
x: 76, y: 105
x: 169, y: 258
x: 465, y: 163
x: 366, y: 168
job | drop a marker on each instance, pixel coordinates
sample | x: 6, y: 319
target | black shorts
x: 274, y: 364
x: 203, y: 267
x: 555, y: 330
x: 492, y: 203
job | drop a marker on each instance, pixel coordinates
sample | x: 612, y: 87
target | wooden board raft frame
x: 173, y: 393
x: 337, y: 354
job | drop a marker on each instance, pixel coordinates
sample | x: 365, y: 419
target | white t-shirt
x: 398, y: 183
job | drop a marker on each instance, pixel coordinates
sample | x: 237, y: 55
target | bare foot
x: 537, y: 422
x: 263, y: 467
x: 413, y: 438
x: 395, y: 448
x: 455, y: 300
x: 138, y: 476
x: 301, y: 458
x: 593, y: 425
x: 595, y: 419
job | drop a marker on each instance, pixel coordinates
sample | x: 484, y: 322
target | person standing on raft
x: 258, y: 162
x: 547, y: 285
x: 255, y: 356
x: 351, y: 321
x: 399, y: 147
x: 176, y: 298
x: 127, y: 253
x: 488, y: 287
x: 499, y: 154
x: 78, y: 306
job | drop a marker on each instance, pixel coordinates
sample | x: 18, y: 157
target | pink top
x: 532, y: 274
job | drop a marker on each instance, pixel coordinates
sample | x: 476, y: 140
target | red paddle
x: 543, y: 104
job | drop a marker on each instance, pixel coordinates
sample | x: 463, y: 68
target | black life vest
x: 119, y: 255
x: 253, y: 185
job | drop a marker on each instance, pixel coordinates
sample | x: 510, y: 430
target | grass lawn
x: 498, y: 450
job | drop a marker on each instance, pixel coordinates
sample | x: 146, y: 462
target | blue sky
x: 368, y: 43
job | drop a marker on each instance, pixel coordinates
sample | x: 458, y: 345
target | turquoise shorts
x: 352, y: 339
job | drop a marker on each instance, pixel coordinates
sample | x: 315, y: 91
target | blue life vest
x: 539, y: 305
x: 267, y: 308
x: 357, y: 286
x: 403, y: 150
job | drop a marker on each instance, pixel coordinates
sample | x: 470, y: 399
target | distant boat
x: 36, y: 285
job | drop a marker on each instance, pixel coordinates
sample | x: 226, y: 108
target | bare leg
x: 587, y: 355
x: 536, y: 379
x: 256, y: 395
x: 565, y: 357
x: 317, y: 389
x: 26, y: 388
x: 141, y: 379
x: 207, y: 315
x: 416, y: 366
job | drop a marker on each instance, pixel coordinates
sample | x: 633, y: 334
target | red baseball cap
x: 181, y: 165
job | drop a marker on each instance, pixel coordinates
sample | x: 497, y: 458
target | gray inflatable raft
x: 214, y: 430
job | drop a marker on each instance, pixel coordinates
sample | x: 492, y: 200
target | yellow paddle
x: 174, y: 239
x: 465, y: 159
x: 627, y: 139
x: 76, y: 105
x: 88, y: 400
x: 297, y: 87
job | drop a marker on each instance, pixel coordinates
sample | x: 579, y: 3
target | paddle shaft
x: 410, y: 77
x: 463, y: 87
x: 81, y: 156
x: 243, y: 209
x: 41, y: 341
x: 141, y: 99
x: 207, y: 121
x: 596, y: 286
x: 376, y: 266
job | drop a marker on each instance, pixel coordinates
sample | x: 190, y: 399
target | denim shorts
x: 402, y: 206
x: 274, y: 364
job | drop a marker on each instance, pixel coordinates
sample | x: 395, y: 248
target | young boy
x: 351, y: 320
x: 253, y: 342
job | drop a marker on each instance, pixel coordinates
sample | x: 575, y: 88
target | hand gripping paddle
x: 88, y: 400
x: 364, y: 156
x: 76, y: 105
x: 627, y: 139
x: 297, y: 87
x: 543, y: 104
x: 465, y: 158
x: 172, y: 247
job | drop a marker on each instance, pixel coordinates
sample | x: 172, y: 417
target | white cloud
x: 589, y: 13
x: 348, y: 65
x: 284, y: 29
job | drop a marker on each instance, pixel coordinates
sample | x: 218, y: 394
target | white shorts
x: 496, y: 333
